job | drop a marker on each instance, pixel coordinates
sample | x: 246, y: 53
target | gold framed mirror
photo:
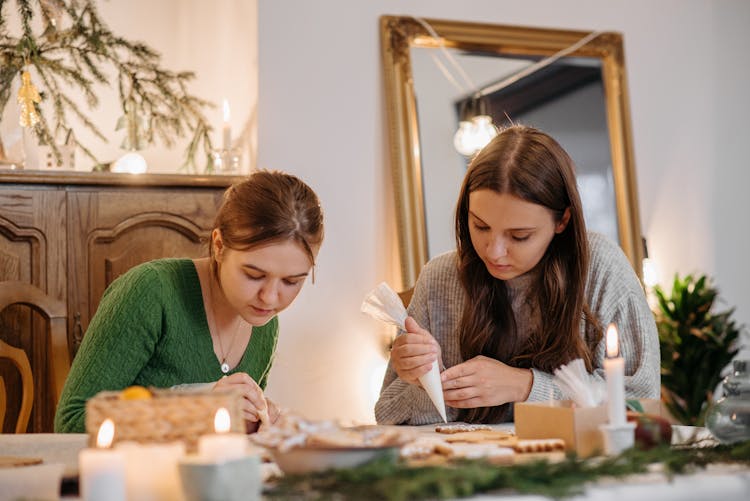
x: 402, y: 38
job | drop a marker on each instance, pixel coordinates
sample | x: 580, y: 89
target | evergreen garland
x: 385, y: 479
x: 74, y: 49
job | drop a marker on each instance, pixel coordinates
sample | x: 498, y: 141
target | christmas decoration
x: 76, y: 53
x: 28, y: 97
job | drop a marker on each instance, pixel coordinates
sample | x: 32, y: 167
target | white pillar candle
x: 102, y: 470
x: 614, y: 369
x: 151, y: 471
x: 222, y: 446
x: 226, y: 129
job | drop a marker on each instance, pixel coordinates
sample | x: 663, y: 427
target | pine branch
x: 79, y: 54
x: 388, y: 480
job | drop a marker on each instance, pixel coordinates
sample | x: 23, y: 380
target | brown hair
x: 529, y: 164
x: 269, y: 206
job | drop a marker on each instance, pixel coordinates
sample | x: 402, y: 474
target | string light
x: 475, y: 128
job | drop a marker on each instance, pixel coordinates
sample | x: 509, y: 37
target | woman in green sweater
x: 211, y: 320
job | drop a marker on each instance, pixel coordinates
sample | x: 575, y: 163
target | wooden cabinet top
x: 67, y: 178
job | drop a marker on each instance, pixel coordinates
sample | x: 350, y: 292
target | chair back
x: 53, y: 310
x: 21, y: 361
x: 3, y: 401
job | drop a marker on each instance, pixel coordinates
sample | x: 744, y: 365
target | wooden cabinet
x: 72, y: 234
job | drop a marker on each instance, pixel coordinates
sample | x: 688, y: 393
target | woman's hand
x: 485, y: 382
x: 255, y: 406
x: 414, y: 352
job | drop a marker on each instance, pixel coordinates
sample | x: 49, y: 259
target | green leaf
x: 695, y: 345
x: 634, y: 405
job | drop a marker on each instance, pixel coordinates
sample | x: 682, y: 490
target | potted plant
x: 696, y: 345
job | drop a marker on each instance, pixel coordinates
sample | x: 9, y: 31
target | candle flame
x: 613, y: 348
x: 106, y: 434
x: 221, y: 421
x: 225, y: 108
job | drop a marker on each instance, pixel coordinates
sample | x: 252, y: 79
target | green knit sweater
x: 151, y: 330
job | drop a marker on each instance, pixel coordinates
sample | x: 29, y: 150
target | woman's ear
x: 217, y: 244
x: 562, y: 223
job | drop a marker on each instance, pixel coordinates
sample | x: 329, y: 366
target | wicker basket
x: 166, y: 417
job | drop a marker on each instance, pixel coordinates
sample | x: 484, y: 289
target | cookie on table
x: 460, y: 428
x: 483, y: 436
x: 539, y: 445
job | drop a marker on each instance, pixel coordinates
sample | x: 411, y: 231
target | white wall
x: 322, y: 116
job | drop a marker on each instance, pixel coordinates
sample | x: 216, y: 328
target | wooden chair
x: 12, y: 292
x: 21, y: 361
x: 3, y: 401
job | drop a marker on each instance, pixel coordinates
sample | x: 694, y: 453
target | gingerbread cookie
x: 539, y: 445
x: 482, y: 436
x: 460, y: 427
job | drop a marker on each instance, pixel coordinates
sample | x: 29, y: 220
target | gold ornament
x: 27, y: 97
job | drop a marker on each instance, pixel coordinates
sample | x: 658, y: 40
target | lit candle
x: 614, y: 368
x: 151, y: 471
x: 227, y: 129
x: 102, y: 470
x: 222, y: 446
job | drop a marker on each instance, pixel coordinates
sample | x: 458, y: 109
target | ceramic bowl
x: 236, y: 480
x: 306, y: 459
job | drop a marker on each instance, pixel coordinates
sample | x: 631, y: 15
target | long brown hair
x: 269, y: 206
x: 528, y: 164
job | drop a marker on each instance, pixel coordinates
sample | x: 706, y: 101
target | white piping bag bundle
x: 576, y: 384
x: 382, y: 303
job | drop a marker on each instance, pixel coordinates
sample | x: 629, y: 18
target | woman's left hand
x: 485, y: 382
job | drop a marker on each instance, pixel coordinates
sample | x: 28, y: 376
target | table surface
x: 725, y: 482
x: 51, y: 447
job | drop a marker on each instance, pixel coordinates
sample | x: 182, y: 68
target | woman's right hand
x: 414, y: 352
x: 254, y: 405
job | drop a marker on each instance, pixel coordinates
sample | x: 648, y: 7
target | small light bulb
x: 484, y: 130
x: 463, y: 139
x: 474, y: 135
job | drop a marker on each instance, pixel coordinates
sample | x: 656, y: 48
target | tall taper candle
x: 614, y: 369
x: 226, y: 129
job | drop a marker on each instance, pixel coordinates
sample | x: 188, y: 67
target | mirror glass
x: 433, y: 69
x: 570, y: 107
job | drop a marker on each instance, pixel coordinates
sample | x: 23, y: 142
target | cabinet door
x: 32, y: 250
x: 112, y: 230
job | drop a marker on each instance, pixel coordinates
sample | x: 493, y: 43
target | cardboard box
x: 577, y: 426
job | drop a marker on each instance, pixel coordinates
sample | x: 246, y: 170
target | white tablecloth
x: 716, y: 483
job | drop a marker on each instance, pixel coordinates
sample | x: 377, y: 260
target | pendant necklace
x: 224, y: 365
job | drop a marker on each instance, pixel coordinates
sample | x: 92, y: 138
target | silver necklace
x: 224, y: 365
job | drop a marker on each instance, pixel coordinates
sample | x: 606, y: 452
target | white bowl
x: 307, y: 459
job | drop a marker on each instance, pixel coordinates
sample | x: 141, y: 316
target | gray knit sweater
x: 613, y: 293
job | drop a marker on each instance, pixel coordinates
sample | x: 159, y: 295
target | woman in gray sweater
x: 526, y: 291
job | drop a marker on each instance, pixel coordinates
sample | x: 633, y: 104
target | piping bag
x: 382, y: 303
